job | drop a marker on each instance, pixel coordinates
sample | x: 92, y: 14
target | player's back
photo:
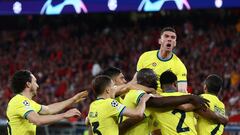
x: 206, y: 127
x: 131, y: 100
x: 175, y: 122
x: 17, y: 110
x: 103, y: 116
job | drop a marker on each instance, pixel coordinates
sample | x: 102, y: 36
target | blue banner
x: 54, y: 7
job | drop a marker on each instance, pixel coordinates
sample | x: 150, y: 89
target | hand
x: 80, y: 96
x: 72, y: 113
x: 199, y: 102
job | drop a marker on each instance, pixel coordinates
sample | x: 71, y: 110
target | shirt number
x: 95, y: 130
x: 179, y: 127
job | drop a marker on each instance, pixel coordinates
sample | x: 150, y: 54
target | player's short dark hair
x: 19, y: 80
x: 167, y: 77
x: 214, y: 83
x: 167, y: 29
x: 147, y: 77
x: 100, y: 83
x: 111, y: 72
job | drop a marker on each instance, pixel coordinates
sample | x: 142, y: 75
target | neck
x: 104, y: 96
x: 170, y: 89
x: 27, y: 94
x: 165, y: 54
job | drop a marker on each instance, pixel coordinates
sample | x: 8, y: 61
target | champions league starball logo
x: 50, y: 9
x: 156, y: 5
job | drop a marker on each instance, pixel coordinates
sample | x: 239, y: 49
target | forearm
x: 210, y: 115
x: 141, y: 108
x: 136, y: 112
x: 141, y: 87
x: 186, y: 107
x: 46, y: 119
x: 59, y: 106
x: 122, y: 89
x: 171, y: 101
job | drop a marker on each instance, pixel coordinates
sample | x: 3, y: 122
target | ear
x: 175, y: 43
x: 28, y: 84
x: 107, y: 90
x: 205, y: 88
x: 160, y: 41
x: 175, y: 84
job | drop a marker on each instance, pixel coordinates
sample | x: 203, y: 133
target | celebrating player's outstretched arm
x: 57, y: 107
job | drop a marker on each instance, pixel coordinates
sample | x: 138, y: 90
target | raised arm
x: 37, y: 119
x: 122, y: 89
x: 59, y: 106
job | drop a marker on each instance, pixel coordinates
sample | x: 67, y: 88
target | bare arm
x: 59, y: 106
x: 174, y: 101
x: 136, y: 115
x: 138, y: 112
x: 206, y: 113
x: 37, y: 119
x: 186, y: 107
x: 122, y: 89
x: 210, y: 115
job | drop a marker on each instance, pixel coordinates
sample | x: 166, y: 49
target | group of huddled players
x: 156, y: 100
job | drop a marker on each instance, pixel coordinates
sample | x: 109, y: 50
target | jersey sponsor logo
x: 114, y: 103
x: 154, y: 64
x: 184, y: 74
x: 26, y: 103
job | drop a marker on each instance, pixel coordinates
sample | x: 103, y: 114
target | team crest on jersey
x: 26, y: 103
x: 114, y: 103
x: 154, y: 64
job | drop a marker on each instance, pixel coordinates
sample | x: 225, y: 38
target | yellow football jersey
x: 151, y: 60
x: 18, y: 109
x: 119, y: 99
x: 206, y: 127
x: 175, y: 122
x: 131, y: 100
x: 103, y: 116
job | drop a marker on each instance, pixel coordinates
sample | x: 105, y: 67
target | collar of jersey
x: 164, y: 60
x: 98, y: 98
x: 169, y: 91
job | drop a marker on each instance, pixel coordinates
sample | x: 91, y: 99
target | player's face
x: 120, y: 79
x: 34, y: 86
x: 168, y: 40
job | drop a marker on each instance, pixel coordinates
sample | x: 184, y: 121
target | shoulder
x: 176, y: 58
x: 18, y: 99
x: 135, y: 92
x: 149, y: 53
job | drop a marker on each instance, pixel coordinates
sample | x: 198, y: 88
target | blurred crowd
x: 66, y: 57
